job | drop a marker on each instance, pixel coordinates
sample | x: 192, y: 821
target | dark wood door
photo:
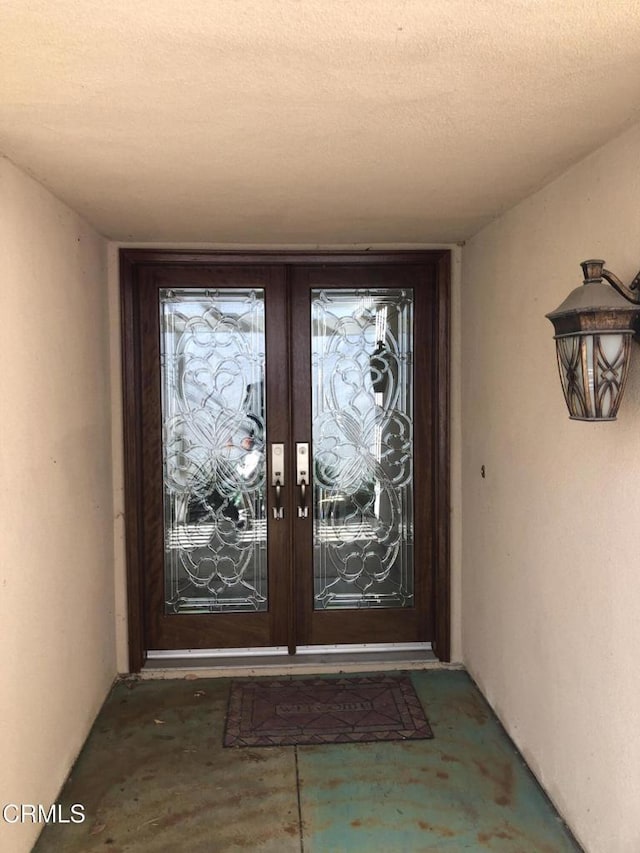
x: 363, y: 392
x: 216, y: 558
x: 286, y: 450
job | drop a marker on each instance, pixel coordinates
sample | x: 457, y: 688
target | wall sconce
x: 594, y: 326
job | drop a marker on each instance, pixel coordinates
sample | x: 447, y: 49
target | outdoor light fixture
x: 594, y: 326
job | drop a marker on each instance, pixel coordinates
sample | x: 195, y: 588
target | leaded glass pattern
x: 362, y: 435
x: 213, y: 417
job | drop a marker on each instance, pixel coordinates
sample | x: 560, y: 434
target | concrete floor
x: 154, y: 776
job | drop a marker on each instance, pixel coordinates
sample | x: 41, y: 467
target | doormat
x: 289, y: 712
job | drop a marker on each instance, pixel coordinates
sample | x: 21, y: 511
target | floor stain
x: 501, y: 774
x: 443, y: 831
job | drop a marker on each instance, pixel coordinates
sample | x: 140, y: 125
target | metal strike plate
x: 277, y: 464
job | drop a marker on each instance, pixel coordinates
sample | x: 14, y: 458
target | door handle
x: 302, y: 477
x: 277, y: 478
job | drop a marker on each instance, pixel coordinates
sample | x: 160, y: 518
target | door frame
x: 133, y: 262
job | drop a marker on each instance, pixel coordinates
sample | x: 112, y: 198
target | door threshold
x: 212, y: 663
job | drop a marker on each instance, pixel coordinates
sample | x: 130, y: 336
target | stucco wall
x: 56, y: 579
x: 551, y: 586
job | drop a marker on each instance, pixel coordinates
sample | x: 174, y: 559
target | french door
x: 286, y: 450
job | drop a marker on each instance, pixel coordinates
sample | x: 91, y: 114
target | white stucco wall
x: 116, y: 404
x: 551, y: 585
x: 56, y: 576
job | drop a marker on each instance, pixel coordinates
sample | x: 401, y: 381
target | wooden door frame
x: 132, y: 263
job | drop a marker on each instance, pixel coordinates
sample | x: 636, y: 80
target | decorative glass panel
x: 362, y: 412
x: 213, y: 415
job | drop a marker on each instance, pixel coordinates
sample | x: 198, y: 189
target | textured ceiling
x: 315, y: 121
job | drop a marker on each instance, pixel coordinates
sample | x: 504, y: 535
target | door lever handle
x: 302, y: 477
x: 303, y: 509
x: 278, y: 511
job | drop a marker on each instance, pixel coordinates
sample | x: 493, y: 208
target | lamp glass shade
x: 593, y: 371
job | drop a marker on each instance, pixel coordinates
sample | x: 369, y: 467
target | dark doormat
x: 286, y: 712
